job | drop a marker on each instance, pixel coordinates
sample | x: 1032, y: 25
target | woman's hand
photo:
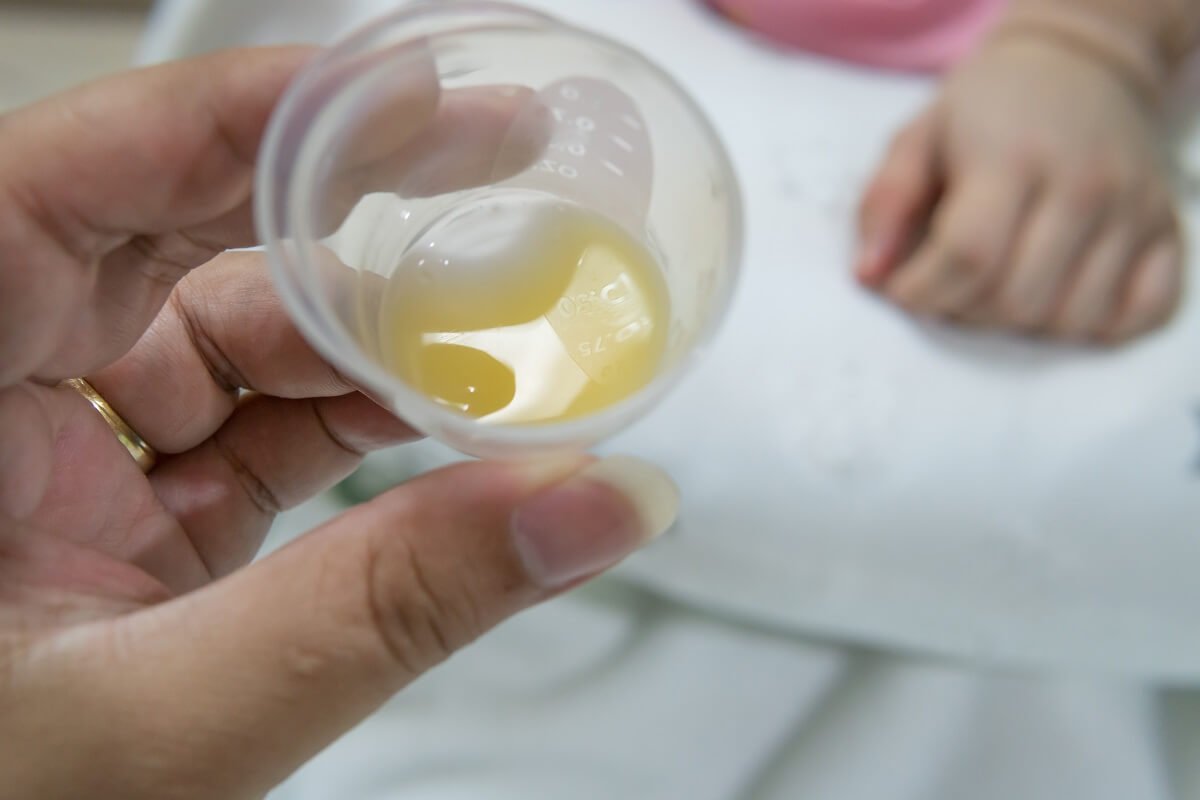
x: 139, y: 656
x: 1032, y: 196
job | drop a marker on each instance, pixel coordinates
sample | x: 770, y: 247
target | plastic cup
x: 426, y: 116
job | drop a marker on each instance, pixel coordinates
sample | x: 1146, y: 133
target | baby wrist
x: 1141, y: 40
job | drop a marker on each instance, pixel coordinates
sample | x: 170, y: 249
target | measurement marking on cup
x: 621, y: 143
x: 613, y: 168
x: 631, y: 122
x: 550, y: 165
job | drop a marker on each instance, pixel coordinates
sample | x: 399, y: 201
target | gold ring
x: 142, y: 453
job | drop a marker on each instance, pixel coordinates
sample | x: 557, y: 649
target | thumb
x: 897, y: 200
x: 245, y: 680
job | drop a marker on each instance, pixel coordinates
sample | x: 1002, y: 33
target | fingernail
x: 593, y: 519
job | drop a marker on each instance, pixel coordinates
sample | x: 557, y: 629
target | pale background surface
x: 48, y: 46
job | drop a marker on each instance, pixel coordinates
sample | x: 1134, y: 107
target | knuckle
x: 1076, y: 321
x: 1116, y: 338
x: 1072, y: 324
x: 378, y: 632
x: 419, y: 620
x: 334, y: 631
x: 304, y: 662
x: 913, y: 297
x: 906, y: 298
x: 965, y: 255
x: 255, y: 488
x: 168, y: 258
x: 1154, y: 307
x: 980, y: 314
x: 1158, y: 293
x: 1163, y: 311
x: 331, y: 432
x: 1098, y: 181
x: 185, y: 303
x: 1025, y: 318
x: 1022, y: 310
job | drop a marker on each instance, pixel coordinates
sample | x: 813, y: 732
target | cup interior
x: 447, y: 132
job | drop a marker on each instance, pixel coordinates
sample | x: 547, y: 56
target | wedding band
x: 141, y: 452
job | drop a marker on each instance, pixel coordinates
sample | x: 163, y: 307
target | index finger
x: 111, y: 172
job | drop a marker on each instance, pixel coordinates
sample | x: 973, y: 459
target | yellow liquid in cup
x: 566, y: 317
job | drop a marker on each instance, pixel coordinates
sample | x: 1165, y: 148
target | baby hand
x: 1032, y: 196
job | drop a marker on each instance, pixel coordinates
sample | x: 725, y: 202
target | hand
x: 1032, y: 196
x: 139, y: 656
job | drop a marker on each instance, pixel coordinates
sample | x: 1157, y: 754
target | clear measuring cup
x: 423, y: 144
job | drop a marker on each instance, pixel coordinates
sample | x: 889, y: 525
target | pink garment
x: 899, y: 34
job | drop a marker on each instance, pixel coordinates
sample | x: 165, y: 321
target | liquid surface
x: 550, y: 319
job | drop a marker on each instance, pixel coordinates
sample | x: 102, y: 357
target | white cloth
x: 850, y: 476
x: 617, y: 693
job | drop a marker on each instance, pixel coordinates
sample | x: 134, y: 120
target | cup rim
x: 318, y: 323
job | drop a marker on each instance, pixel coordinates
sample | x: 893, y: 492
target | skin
x: 1032, y: 196
x: 139, y: 655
